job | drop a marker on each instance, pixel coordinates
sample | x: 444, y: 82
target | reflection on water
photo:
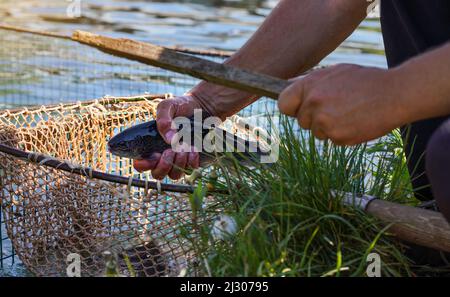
x: 39, y: 71
x: 48, y: 70
x: 192, y: 23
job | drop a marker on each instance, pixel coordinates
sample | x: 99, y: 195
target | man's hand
x: 171, y: 163
x: 347, y: 104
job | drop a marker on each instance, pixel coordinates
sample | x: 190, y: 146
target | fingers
x: 290, y: 100
x: 318, y: 132
x: 164, y: 165
x: 165, y: 113
x: 168, y: 109
x: 169, y: 163
x: 149, y: 164
x: 193, y: 160
x: 297, y: 101
x: 179, y: 165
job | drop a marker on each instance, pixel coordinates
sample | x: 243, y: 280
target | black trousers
x: 427, y: 146
x: 428, y: 151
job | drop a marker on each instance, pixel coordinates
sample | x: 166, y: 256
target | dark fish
x: 143, y: 140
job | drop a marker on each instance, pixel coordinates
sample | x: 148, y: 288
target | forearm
x: 423, y: 86
x: 293, y: 38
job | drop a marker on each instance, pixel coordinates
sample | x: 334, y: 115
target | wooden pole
x: 411, y: 224
x: 158, y: 56
x: 49, y: 161
x: 415, y: 225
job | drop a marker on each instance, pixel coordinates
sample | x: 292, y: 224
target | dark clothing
x: 410, y: 28
x: 438, y: 167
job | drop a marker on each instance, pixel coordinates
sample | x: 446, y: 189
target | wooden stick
x: 415, y: 225
x: 193, y: 51
x: 48, y: 161
x: 158, y: 56
x: 411, y: 224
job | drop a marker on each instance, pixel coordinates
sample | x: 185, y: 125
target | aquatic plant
x: 288, y: 222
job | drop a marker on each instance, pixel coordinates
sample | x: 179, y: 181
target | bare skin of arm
x: 293, y: 38
x: 350, y: 104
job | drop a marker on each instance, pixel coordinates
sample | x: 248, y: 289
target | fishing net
x: 58, y: 199
x: 75, y: 207
x: 51, y: 213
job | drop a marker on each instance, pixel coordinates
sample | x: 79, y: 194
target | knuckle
x: 315, y: 99
x: 286, y: 101
x: 337, y: 137
x: 282, y: 103
x: 304, y: 122
x: 319, y: 135
x: 165, y: 104
x: 322, y: 121
x: 164, y: 124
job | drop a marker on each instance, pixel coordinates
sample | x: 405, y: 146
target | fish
x: 142, y: 141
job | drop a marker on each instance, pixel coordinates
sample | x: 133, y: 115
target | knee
x: 438, y: 167
x: 438, y: 147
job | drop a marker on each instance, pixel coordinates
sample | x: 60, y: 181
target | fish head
x: 138, y: 142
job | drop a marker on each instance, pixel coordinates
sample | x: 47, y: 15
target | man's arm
x: 293, y: 38
x: 424, y: 85
x: 297, y: 35
x: 351, y: 104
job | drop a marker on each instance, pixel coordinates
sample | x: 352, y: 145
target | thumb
x: 165, y: 112
x: 291, y: 98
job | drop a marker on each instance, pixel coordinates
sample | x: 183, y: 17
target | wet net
x: 49, y: 213
x: 64, y: 195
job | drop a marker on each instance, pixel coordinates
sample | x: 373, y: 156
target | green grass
x: 290, y: 225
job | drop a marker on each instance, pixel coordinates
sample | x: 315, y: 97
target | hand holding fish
x: 170, y: 163
x: 199, y: 142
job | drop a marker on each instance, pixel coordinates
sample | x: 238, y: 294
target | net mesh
x: 41, y: 206
x: 51, y: 214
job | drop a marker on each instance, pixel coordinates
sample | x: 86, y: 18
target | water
x: 215, y: 24
x: 37, y: 77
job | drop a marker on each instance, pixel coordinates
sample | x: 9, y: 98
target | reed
x: 288, y: 223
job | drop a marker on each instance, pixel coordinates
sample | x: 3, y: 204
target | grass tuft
x: 289, y: 223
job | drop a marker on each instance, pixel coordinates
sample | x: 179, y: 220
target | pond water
x: 218, y: 24
x: 35, y: 77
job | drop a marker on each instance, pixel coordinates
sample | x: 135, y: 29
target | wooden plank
x: 241, y: 79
